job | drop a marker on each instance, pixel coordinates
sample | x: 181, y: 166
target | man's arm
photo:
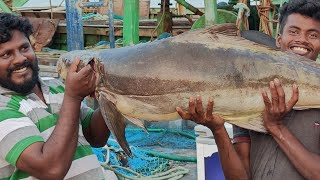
x: 306, y: 162
x: 232, y: 166
x: 97, y: 132
x: 243, y: 151
x: 52, y: 159
x: 242, y: 143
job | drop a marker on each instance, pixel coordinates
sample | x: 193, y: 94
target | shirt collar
x: 5, y: 91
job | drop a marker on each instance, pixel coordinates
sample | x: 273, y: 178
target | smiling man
x: 20, y: 77
x: 299, y: 32
x: 45, y: 129
x: 291, y: 150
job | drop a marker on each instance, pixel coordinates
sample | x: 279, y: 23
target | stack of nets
x: 157, y: 154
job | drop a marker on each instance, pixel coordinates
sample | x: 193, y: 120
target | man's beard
x: 28, y: 85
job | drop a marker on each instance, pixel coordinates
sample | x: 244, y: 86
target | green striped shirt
x: 25, y: 120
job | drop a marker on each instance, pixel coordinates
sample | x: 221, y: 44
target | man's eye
x: 314, y: 35
x: 293, y: 31
x: 5, y: 56
x: 25, y: 49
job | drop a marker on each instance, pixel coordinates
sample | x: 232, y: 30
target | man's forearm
x: 52, y: 160
x: 63, y: 141
x: 232, y: 166
x: 306, y: 162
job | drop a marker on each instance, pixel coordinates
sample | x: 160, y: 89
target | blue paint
x: 75, y: 39
x: 213, y: 168
x: 111, y: 25
x: 92, y: 4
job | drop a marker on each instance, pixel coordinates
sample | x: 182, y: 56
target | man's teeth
x: 300, y: 49
x: 20, y: 70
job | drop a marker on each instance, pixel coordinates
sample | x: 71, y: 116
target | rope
x: 266, y: 12
x: 162, y: 17
x: 172, y: 174
x: 243, y: 14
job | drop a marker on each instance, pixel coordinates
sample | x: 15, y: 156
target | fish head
x: 86, y: 57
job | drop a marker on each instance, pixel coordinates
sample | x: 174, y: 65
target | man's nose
x: 302, y: 38
x: 19, y: 58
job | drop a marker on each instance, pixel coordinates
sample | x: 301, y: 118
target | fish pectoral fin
x: 115, y: 121
x: 137, y: 122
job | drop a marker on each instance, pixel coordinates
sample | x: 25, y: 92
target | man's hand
x: 80, y: 84
x: 277, y: 108
x: 196, y: 114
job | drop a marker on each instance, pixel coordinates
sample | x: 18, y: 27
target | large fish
x: 148, y: 81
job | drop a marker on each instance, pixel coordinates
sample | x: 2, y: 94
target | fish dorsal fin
x: 225, y: 36
x: 212, y: 32
x: 228, y: 29
x: 115, y: 121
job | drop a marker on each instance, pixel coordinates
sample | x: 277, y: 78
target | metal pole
x: 111, y: 25
x: 51, y: 12
x: 210, y: 12
x: 131, y: 22
x: 164, y: 18
x: 74, y: 25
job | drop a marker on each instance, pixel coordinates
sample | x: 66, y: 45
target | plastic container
x: 208, y: 164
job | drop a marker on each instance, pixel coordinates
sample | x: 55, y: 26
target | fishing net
x: 154, y: 152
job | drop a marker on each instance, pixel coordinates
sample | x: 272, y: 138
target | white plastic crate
x: 208, y: 164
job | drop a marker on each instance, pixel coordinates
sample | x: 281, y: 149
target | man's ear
x: 278, y: 40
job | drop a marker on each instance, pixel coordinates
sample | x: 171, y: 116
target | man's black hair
x: 10, y: 22
x: 309, y: 8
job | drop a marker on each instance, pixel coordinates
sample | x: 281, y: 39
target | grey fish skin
x: 148, y: 81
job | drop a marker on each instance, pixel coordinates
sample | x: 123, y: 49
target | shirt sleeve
x: 17, y: 133
x: 240, y: 135
x: 85, y: 115
x: 85, y: 111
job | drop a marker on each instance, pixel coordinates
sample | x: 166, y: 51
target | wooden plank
x: 57, y: 9
x: 39, y: 14
x: 45, y: 68
x: 48, y: 74
x: 144, y: 31
x: 50, y: 62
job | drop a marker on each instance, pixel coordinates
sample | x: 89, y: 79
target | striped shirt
x: 25, y: 120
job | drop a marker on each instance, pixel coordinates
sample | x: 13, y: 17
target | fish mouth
x: 92, y: 63
x: 300, y: 50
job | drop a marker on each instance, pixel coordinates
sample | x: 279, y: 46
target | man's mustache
x: 25, y: 63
